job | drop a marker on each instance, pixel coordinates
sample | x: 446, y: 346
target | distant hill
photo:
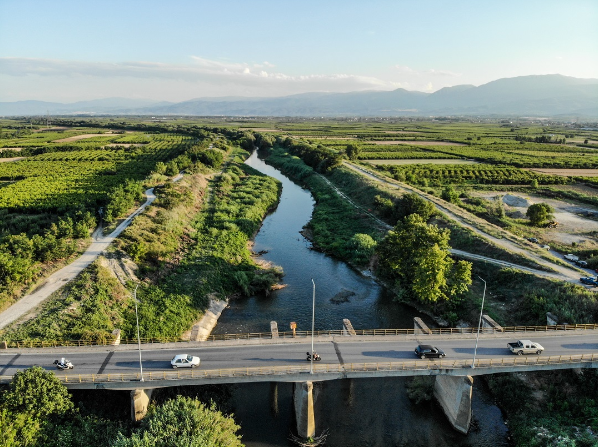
x: 542, y: 95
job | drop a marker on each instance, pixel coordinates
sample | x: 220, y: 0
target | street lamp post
x: 313, y: 319
x: 138, y: 339
x: 479, y: 324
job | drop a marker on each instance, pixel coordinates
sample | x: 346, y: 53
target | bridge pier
x: 274, y: 398
x: 453, y: 393
x: 303, y: 398
x: 139, y: 401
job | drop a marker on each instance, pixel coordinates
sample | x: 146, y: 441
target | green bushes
x: 566, y: 414
x: 318, y: 157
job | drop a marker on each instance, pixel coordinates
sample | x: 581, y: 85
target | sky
x: 68, y: 51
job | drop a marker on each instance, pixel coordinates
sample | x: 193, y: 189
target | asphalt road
x: 341, y: 350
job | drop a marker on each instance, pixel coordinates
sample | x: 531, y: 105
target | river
x: 363, y: 412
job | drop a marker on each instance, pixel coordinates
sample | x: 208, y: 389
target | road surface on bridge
x: 338, y: 350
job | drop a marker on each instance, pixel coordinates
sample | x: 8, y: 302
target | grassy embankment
x: 185, y: 257
x: 334, y: 223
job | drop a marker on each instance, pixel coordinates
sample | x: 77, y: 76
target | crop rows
x: 453, y: 174
x: 58, y: 179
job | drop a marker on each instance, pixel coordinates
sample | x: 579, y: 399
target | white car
x: 184, y: 361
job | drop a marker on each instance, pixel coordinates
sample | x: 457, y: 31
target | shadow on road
x: 593, y: 346
x: 484, y: 351
x: 390, y: 354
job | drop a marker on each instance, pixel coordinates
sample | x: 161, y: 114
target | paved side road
x: 70, y: 272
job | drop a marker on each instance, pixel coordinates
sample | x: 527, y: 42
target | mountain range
x: 537, y: 95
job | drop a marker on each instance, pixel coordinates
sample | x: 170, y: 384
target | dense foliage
x: 416, y: 256
x: 183, y: 422
x: 37, y: 411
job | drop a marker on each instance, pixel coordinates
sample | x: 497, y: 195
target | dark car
x: 581, y: 263
x: 428, y: 351
x: 590, y: 281
x: 532, y: 239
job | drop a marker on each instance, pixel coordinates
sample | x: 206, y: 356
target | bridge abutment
x: 139, y: 402
x: 303, y: 399
x: 454, y: 396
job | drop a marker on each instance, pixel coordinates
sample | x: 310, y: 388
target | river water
x: 363, y: 412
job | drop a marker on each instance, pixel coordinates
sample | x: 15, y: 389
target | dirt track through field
x: 70, y: 272
x: 508, y: 242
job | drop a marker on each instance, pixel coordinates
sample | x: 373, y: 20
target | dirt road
x: 508, y: 242
x: 70, y: 272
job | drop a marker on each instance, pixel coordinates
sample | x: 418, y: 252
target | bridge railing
x: 36, y: 343
x: 410, y: 365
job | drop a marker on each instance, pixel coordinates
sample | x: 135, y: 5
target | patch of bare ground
x: 573, y: 226
x: 587, y: 190
x: 82, y: 137
x: 417, y: 143
x: 10, y: 149
x: 121, y: 265
x: 567, y: 172
x: 6, y: 160
x: 260, y: 129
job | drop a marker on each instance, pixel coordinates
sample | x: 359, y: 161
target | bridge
x: 346, y: 354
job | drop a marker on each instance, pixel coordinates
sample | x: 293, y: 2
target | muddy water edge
x: 362, y: 412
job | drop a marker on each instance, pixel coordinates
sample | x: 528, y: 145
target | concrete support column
x: 454, y: 396
x: 274, y: 398
x: 139, y: 401
x: 303, y: 398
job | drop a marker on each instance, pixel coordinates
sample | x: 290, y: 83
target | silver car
x: 184, y: 361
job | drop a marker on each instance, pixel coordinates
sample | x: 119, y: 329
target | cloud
x: 402, y: 69
x: 215, y: 77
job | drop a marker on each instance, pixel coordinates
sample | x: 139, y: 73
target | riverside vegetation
x: 318, y: 148
x: 36, y: 409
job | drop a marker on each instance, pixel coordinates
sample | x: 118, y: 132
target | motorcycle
x: 316, y: 357
x: 63, y: 364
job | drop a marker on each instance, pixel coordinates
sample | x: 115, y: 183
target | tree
x: 184, y: 422
x: 416, y: 256
x: 361, y: 248
x: 450, y: 195
x: 352, y: 151
x: 38, y: 393
x: 538, y: 213
x: 413, y: 204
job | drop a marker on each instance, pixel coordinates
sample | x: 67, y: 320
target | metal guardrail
x: 297, y: 334
x: 412, y: 365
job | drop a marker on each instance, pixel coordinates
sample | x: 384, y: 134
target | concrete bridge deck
x: 253, y: 360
